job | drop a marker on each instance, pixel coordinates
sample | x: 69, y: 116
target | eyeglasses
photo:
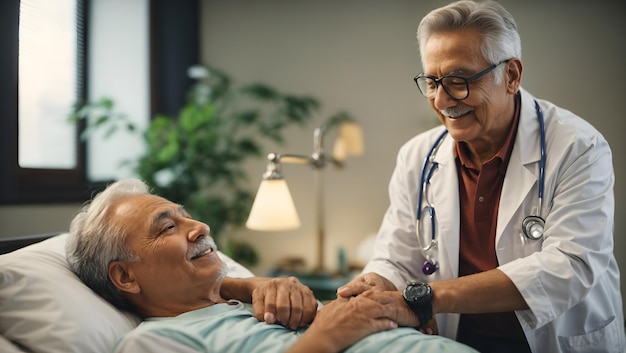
x: 456, y: 87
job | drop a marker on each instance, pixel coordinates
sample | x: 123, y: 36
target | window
x: 43, y: 66
x: 50, y: 82
x: 172, y: 41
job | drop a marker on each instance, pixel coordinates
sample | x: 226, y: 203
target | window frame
x: 33, y: 185
x: 174, y: 46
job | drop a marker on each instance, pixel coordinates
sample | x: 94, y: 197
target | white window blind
x: 49, y: 83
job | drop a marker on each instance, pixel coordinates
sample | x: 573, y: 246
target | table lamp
x: 273, y: 208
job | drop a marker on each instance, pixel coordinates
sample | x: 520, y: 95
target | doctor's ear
x: 513, y: 75
x: 122, y: 277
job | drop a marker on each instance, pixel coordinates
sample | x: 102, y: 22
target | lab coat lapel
x: 445, y: 184
x: 521, y: 172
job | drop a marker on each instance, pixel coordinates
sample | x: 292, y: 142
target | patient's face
x: 178, y: 262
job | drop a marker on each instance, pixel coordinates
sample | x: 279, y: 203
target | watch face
x: 417, y: 291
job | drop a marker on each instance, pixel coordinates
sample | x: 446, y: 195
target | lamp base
x: 319, y: 273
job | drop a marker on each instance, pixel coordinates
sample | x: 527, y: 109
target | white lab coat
x: 569, y: 278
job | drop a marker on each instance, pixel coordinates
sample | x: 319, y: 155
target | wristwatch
x: 418, y: 297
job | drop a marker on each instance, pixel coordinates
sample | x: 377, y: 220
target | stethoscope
x: 532, y: 226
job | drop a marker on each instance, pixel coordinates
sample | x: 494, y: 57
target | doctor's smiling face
x: 483, y: 117
x: 177, y: 268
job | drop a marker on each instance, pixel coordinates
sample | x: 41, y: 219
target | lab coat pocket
x: 601, y: 339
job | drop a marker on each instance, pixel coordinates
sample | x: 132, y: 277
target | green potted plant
x: 196, y: 159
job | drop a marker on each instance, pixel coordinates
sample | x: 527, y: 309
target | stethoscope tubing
x: 542, y: 162
x: 425, y: 177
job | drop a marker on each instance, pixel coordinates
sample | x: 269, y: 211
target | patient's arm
x: 344, y: 321
x: 285, y: 301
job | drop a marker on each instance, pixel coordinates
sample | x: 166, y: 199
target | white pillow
x: 44, y: 307
x: 7, y: 347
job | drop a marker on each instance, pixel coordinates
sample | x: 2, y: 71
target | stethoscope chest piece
x: 532, y: 226
x: 430, y: 267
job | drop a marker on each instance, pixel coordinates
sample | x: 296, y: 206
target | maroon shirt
x: 479, y: 190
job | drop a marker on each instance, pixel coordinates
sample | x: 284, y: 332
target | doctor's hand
x: 365, y: 282
x: 283, y: 301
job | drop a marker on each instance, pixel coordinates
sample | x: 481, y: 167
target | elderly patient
x: 146, y: 255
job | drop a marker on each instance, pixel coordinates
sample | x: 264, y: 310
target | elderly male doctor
x: 477, y: 276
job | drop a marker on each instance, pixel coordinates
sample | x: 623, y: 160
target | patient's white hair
x: 500, y: 39
x: 95, y: 241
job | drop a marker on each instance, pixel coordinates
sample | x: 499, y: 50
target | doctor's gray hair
x: 94, y: 241
x: 500, y: 39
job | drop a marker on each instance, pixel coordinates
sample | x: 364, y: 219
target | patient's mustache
x: 202, y: 245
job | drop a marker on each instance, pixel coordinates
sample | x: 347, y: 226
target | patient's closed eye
x: 167, y: 228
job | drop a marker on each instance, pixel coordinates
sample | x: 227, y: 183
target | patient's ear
x: 122, y: 277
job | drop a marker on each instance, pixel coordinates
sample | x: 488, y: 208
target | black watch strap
x: 426, y: 313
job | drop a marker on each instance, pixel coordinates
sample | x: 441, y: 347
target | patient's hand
x: 398, y: 311
x: 344, y: 321
x: 363, y: 283
x: 397, y: 308
x: 284, y: 301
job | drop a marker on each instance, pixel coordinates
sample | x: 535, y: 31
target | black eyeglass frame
x: 467, y: 80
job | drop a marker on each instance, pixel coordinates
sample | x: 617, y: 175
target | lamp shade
x: 273, y: 208
x: 351, y: 132
x: 349, y: 141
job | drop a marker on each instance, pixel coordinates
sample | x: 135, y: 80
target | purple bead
x: 429, y: 267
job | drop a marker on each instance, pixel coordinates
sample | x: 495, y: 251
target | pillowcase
x: 45, y: 308
x: 7, y: 347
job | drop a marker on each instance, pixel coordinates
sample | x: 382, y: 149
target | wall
x: 35, y: 219
x: 361, y: 55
